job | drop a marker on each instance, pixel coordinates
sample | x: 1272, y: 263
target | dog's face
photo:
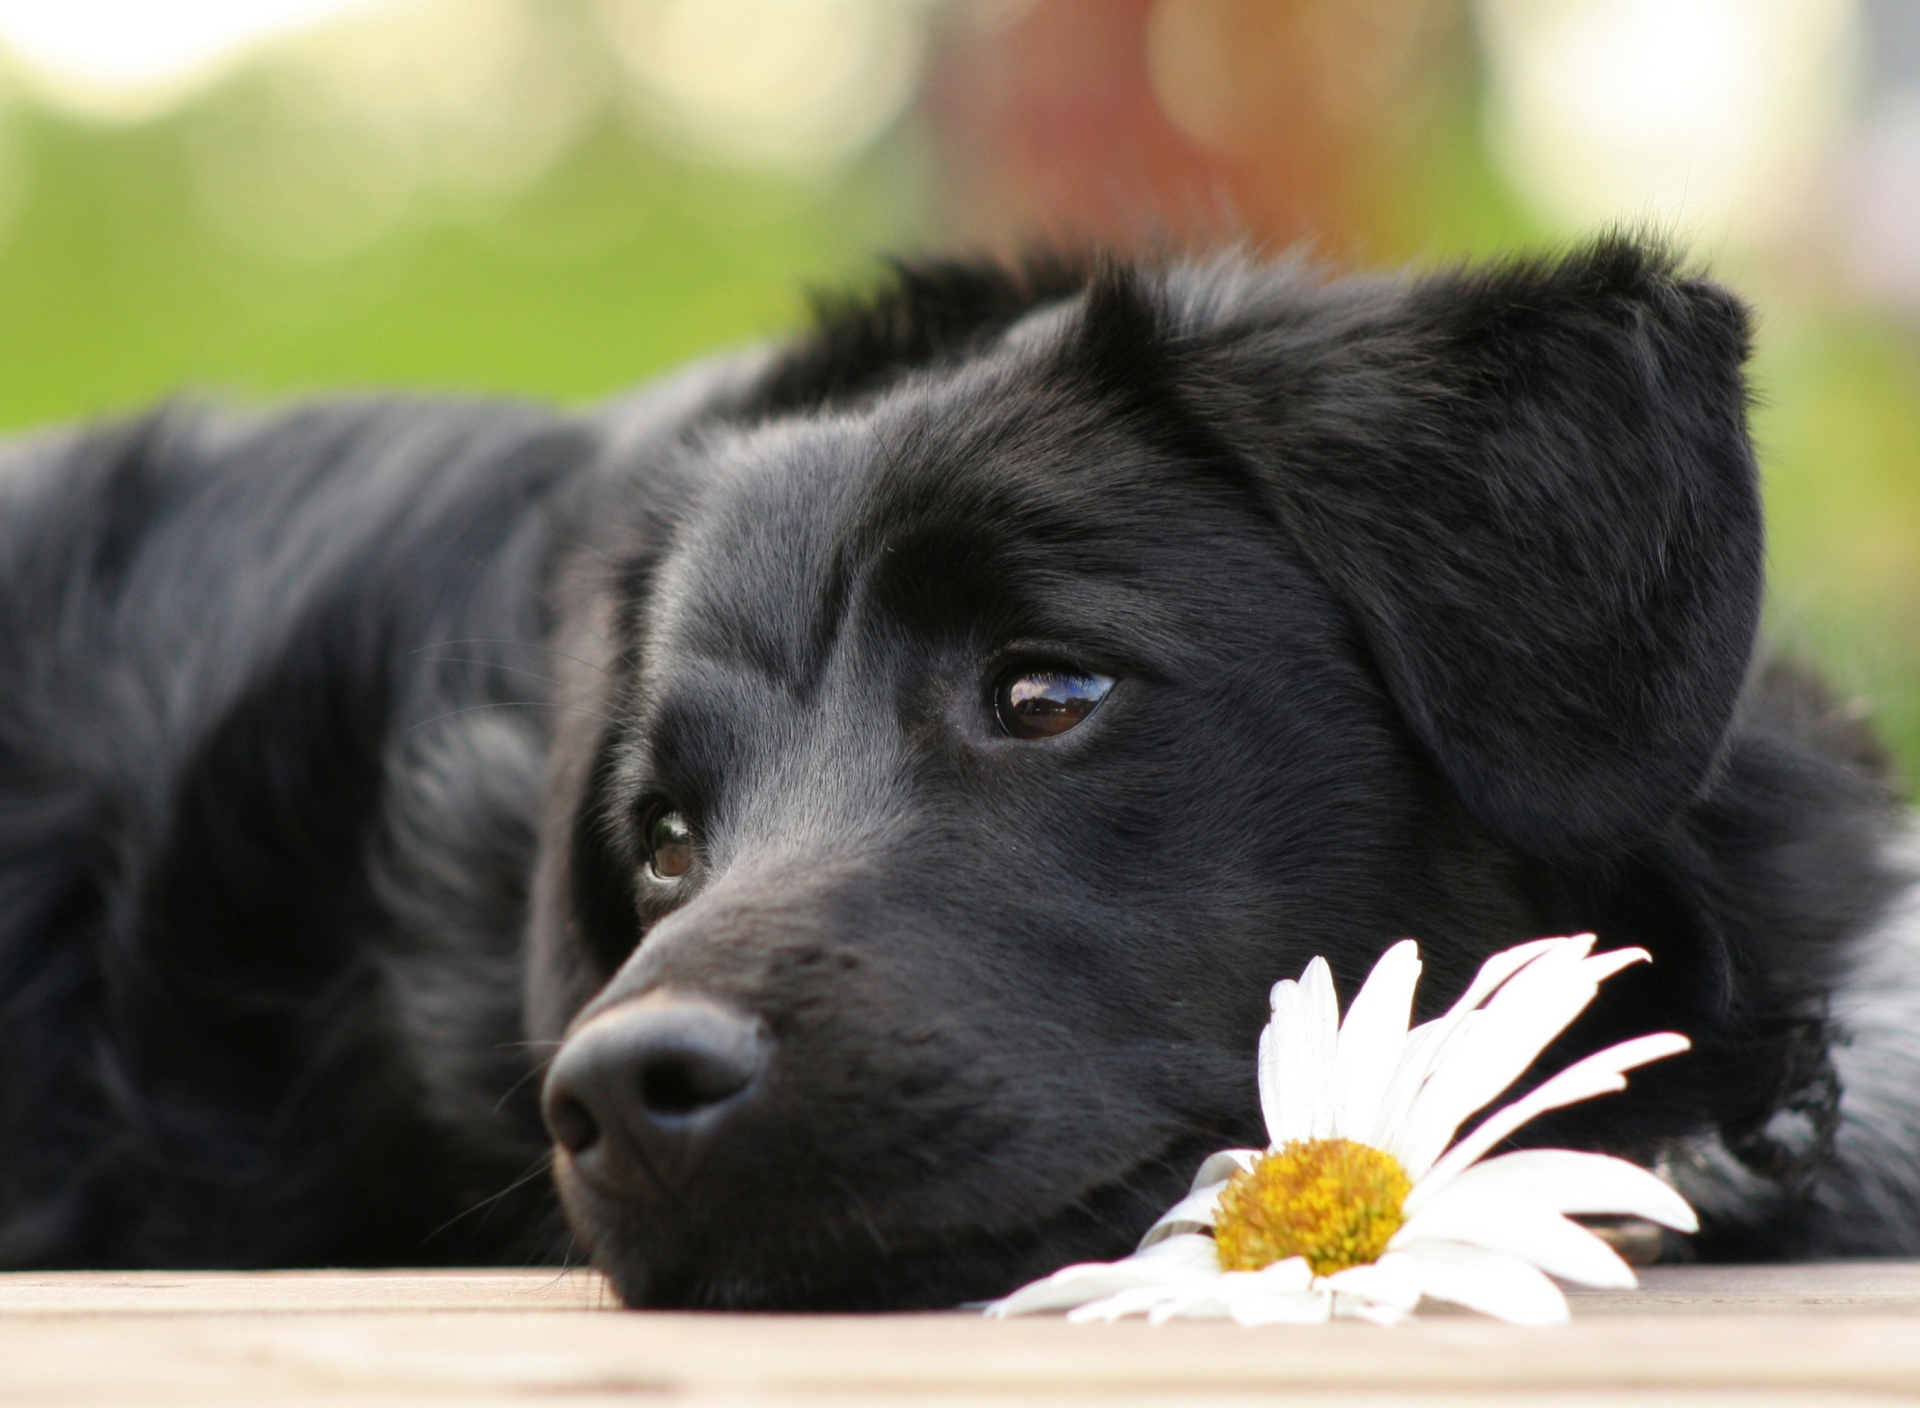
x: 966, y: 762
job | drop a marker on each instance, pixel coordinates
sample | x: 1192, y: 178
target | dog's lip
x: 1014, y: 1252
x: 902, y: 1236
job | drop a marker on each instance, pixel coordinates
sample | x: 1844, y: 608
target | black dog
x: 904, y: 759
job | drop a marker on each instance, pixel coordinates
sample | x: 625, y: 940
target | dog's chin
x: 831, y: 1261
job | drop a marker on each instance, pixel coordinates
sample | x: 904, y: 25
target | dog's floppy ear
x: 1533, y: 487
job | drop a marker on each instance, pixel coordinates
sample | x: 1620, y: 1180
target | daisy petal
x: 1322, y: 1010
x: 1158, y: 1303
x: 1425, y: 1042
x: 1280, y: 1277
x: 1279, y: 1100
x: 1194, y: 1305
x: 1188, y: 1215
x: 1135, y: 1300
x: 1598, y: 1074
x: 1503, y: 965
x: 1393, y: 1280
x: 1196, y: 1209
x: 1584, y: 1183
x: 1519, y: 1224
x: 1219, y: 1167
x: 1282, y: 1293
x: 1056, y: 1292
x: 1298, y: 1308
x: 1517, y: 1024
x: 1376, y: 1312
x: 1416, y: 1064
x: 1492, y: 1283
x: 1368, y: 1049
x: 1181, y: 1262
x: 1296, y: 1057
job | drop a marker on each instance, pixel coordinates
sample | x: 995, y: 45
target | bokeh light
x: 1706, y: 116
x: 781, y: 83
x: 129, y: 59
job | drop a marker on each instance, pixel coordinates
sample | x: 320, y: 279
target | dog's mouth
x: 667, y: 1257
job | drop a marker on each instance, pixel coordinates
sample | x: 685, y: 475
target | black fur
x: 326, y: 737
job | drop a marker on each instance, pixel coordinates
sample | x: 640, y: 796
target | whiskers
x: 539, y: 1168
x: 537, y: 1070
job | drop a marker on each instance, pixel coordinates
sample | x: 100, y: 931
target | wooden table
x: 1768, y: 1336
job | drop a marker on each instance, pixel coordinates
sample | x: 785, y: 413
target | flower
x: 1364, y: 1201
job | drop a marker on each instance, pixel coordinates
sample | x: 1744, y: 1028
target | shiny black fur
x: 325, y: 736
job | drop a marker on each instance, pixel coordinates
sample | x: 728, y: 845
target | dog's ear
x: 1534, y: 489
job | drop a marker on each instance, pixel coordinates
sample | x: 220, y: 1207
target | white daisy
x: 1363, y: 1202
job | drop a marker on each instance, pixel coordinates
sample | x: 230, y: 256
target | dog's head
x: 964, y: 745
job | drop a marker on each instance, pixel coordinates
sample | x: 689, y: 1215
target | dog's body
x: 333, y: 745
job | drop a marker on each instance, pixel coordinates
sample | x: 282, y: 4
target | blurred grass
x: 616, y: 264
x: 1837, y: 425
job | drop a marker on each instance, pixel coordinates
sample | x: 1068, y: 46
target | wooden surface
x: 1766, y: 1336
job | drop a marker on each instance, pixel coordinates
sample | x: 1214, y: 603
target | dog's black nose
x: 636, y: 1092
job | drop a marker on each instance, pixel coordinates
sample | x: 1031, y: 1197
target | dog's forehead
x: 985, y: 476
x: 765, y: 529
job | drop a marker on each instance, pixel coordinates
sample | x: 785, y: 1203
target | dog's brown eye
x: 669, y: 845
x: 1043, y: 703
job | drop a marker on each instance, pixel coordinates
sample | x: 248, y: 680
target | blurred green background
x: 560, y: 197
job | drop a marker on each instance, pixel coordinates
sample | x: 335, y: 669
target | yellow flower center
x: 1332, y: 1201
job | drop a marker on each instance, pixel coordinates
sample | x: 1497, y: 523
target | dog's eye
x: 669, y: 843
x: 1044, y: 703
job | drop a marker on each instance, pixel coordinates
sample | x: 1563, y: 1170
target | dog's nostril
x: 683, y: 1083
x: 646, y: 1084
x: 573, y: 1126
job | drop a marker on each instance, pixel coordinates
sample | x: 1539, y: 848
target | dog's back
x: 269, y: 756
